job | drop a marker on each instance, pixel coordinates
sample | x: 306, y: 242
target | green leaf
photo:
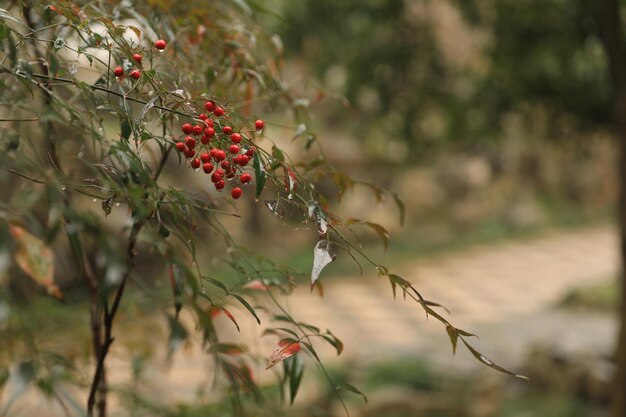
x: 227, y: 349
x: 125, y: 127
x: 259, y: 173
x: 278, y: 154
x: 296, y: 369
x: 216, y: 283
x: 247, y: 306
x: 334, y: 342
x: 4, y: 31
x: 351, y: 388
x: 4, y: 377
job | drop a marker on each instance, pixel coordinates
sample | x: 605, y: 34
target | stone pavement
x: 505, y: 293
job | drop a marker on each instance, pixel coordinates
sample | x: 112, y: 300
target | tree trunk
x: 608, y: 18
x: 618, y: 408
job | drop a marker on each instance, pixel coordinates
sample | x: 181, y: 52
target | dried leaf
x: 35, y: 259
x: 400, y: 203
x: 286, y: 348
x: 322, y: 256
x: 482, y: 358
x: 150, y: 104
x: 454, y: 337
x: 275, y: 207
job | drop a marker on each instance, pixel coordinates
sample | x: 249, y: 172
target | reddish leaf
x: 35, y: 259
x: 256, y: 284
x: 286, y: 348
x: 215, y: 310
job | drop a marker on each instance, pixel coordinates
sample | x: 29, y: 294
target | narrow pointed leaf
x: 177, y: 281
x: 482, y: 358
x: 230, y: 316
x: 259, y: 173
x: 295, y: 377
x: 352, y: 389
x: 401, y: 207
x: 247, y: 306
x: 454, y: 337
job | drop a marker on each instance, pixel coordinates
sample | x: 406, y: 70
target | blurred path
x: 505, y: 293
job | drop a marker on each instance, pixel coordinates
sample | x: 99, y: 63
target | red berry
x: 250, y: 152
x: 220, y: 155
x: 137, y: 58
x: 235, y: 137
x: 213, y: 153
x: 118, y: 71
x: 219, y: 172
x: 209, y: 122
x: 227, y: 130
x: 259, y: 124
x: 236, y: 192
x: 205, y: 139
x: 207, y: 167
x: 209, y: 106
x: 160, y: 44
x: 209, y: 131
x: 190, y: 153
x: 215, y: 177
x: 243, y: 160
x: 203, y: 116
x: 190, y: 142
x: 225, y: 164
x: 230, y: 173
x: 197, y: 130
x: 234, y: 149
x: 219, y: 112
x: 180, y: 146
x: 187, y: 129
x: 205, y: 157
x: 195, y: 163
x: 220, y: 185
x: 245, y: 178
x: 135, y: 74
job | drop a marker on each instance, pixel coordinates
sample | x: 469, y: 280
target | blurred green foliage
x: 538, y: 61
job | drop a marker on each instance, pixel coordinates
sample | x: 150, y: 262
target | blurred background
x: 492, y: 119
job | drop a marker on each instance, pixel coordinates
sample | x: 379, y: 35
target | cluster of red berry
x: 219, y: 152
x: 135, y: 74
